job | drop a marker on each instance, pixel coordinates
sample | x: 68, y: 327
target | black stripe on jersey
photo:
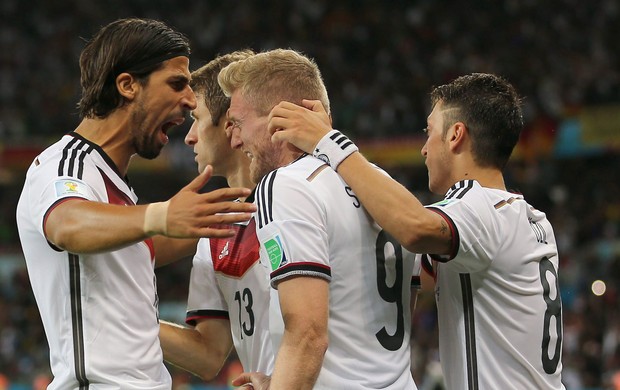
x: 259, y: 203
x: 300, y: 269
x: 539, y: 231
x: 76, y: 158
x: 459, y: 189
x: 81, y: 161
x: 74, y: 153
x: 76, y: 322
x: 102, y: 154
x: 470, y: 332
x: 65, y: 154
x: 193, y: 315
x: 250, y: 198
x: 264, y: 200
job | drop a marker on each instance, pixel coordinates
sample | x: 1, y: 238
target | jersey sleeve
x: 416, y: 281
x: 475, y: 240
x: 292, y: 229
x: 55, y: 190
x: 205, y: 299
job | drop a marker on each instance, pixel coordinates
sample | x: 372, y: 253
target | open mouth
x: 169, y: 125
x: 164, y: 132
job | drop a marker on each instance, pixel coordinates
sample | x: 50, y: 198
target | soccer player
x: 500, y: 313
x: 229, y: 291
x: 340, y: 307
x: 89, y: 249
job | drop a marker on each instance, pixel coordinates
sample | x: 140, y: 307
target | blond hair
x: 267, y: 78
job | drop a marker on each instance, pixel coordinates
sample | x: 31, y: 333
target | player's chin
x: 257, y: 172
x: 151, y: 152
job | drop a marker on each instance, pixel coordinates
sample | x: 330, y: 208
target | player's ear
x: 228, y: 126
x: 127, y: 86
x: 457, y: 134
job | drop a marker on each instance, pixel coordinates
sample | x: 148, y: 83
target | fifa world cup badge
x: 275, y: 252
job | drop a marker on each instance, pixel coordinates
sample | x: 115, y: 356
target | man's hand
x: 302, y: 126
x: 191, y: 214
x: 252, y: 380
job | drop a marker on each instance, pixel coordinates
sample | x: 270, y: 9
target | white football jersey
x: 99, y: 310
x: 499, y: 305
x: 228, y: 281
x: 310, y: 223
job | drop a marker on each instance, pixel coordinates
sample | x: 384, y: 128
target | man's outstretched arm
x: 390, y: 204
x: 82, y: 226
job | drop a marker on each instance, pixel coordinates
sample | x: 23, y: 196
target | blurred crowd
x: 379, y: 61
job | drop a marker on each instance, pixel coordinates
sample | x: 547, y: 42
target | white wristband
x: 333, y: 148
x: 156, y: 218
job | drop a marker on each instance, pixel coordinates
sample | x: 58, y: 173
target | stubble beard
x: 267, y: 161
x: 146, y: 145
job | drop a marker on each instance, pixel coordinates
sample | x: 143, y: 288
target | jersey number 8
x: 554, y: 310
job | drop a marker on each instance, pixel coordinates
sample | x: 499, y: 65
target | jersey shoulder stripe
x: 72, y: 160
x: 304, y: 169
x: 83, y: 154
x: 65, y: 153
x: 264, y: 199
x: 458, y: 190
x: 74, y: 153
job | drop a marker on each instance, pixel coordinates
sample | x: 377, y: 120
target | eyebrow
x: 233, y: 118
x: 180, y: 77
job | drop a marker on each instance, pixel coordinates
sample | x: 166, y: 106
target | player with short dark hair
x: 228, y: 299
x: 494, y: 255
x: 90, y: 249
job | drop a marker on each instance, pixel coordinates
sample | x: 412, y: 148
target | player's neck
x: 487, y: 177
x: 239, y: 175
x: 290, y: 156
x: 111, y: 135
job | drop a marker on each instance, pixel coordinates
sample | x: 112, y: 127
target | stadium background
x: 379, y: 60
